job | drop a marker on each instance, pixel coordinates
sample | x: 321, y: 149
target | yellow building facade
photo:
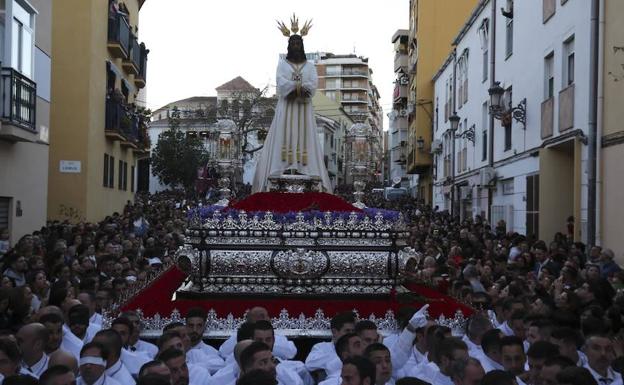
x: 97, y: 131
x: 433, y: 26
x: 611, y: 154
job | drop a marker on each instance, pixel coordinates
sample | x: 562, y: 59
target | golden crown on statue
x: 294, y: 27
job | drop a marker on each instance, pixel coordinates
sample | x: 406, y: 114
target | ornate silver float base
x: 295, y: 183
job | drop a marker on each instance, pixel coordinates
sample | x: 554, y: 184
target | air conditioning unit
x: 436, y: 146
x: 411, y: 107
x: 486, y: 176
x: 465, y: 192
x: 403, y: 113
x: 404, y: 80
x: 393, y: 115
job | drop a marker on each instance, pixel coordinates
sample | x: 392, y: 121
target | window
x: 105, y: 181
x: 332, y: 70
x: 22, y: 40
x: 125, y: 178
x: 509, y: 28
x: 568, y: 62
x: 549, y: 76
x: 484, y: 36
x: 485, y: 123
x: 120, y: 180
x: 462, y: 81
x: 132, y: 178
x: 111, y: 171
x: 508, y: 186
x: 331, y: 94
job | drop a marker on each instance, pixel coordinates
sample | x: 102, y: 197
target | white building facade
x: 398, y: 117
x: 533, y: 176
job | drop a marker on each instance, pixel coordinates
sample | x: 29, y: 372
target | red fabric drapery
x: 156, y: 298
x: 288, y: 202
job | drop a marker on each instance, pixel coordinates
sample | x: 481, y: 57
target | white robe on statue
x: 292, y: 142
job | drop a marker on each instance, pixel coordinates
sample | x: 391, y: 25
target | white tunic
x: 292, y: 142
x: 323, y: 357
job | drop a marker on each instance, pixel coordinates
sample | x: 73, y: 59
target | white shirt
x: 284, y: 377
x: 71, y: 343
x: 299, y: 368
x: 96, y: 319
x: 282, y: 348
x: 198, y: 375
x: 431, y: 373
x: 227, y: 374
x: 612, y: 377
x: 37, y: 369
x: 119, y: 373
x: 474, y: 350
x: 133, y: 361
x: 147, y: 348
x: 211, y: 364
x: 103, y: 380
x: 401, y: 348
x: 323, y: 356
x: 519, y: 381
x: 208, y: 350
x: 504, y: 327
x: 488, y: 363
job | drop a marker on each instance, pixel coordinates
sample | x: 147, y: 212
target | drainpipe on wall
x: 492, y: 80
x: 592, y: 126
x: 454, y: 105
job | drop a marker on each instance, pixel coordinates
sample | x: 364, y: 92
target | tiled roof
x: 236, y: 84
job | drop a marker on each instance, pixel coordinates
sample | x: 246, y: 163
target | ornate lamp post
x: 228, y: 160
x: 360, y: 152
x: 500, y: 111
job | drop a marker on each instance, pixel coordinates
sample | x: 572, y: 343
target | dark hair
x: 104, y: 353
x: 477, y: 325
x: 246, y: 357
x: 340, y: 319
x: 153, y: 379
x: 169, y: 354
x: 567, y: 335
x: 512, y: 341
x: 149, y: 364
x: 343, y: 343
x: 458, y: 367
x: 257, y: 377
x: 296, y: 55
x: 365, y: 325
x: 262, y: 325
x: 542, y: 350
x: 245, y: 331
x: 166, y: 336
x: 172, y: 325
x: 196, y: 312
x: 446, y: 348
x: 20, y: 379
x: 561, y: 361
x: 10, y: 348
x: 51, y: 318
x: 498, y: 377
x: 375, y: 347
x: 410, y: 381
x: 113, y: 340
x: 365, y: 368
x: 123, y: 321
x: 78, y: 314
x: 491, y: 340
x: 52, y: 372
x: 575, y: 375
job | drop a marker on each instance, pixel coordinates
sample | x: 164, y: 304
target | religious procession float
x: 292, y: 247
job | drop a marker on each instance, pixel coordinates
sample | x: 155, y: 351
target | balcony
x: 133, y: 63
x: 19, y: 101
x: 119, y: 36
x: 348, y: 73
x: 566, y: 108
x: 122, y: 124
x: 139, y: 80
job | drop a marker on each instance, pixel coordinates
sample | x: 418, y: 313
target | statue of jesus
x: 292, y: 144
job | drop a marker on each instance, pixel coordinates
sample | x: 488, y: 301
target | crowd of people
x: 546, y: 313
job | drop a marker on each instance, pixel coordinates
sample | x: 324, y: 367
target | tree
x: 178, y: 156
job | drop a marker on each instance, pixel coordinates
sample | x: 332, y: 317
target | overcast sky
x: 197, y: 45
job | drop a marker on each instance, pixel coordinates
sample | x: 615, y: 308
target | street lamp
x: 454, y: 119
x: 420, y: 143
x: 499, y: 110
